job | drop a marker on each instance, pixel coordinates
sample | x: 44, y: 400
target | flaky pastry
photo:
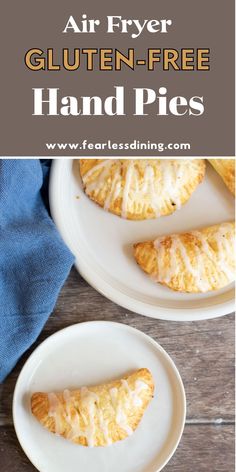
x: 96, y: 416
x: 139, y: 189
x: 196, y: 261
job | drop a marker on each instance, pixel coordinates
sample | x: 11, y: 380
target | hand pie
x: 198, y: 261
x: 226, y: 169
x: 139, y: 189
x: 96, y: 416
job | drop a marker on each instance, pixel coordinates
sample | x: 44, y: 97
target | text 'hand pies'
x: 96, y: 416
x: 196, y: 261
x: 139, y: 189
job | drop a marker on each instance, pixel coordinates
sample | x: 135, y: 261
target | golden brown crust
x: 104, y: 425
x: 197, y: 261
x: 226, y: 169
x: 141, y: 188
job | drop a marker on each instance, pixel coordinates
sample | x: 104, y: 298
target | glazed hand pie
x: 139, y: 189
x: 96, y: 416
x: 226, y: 169
x: 197, y: 261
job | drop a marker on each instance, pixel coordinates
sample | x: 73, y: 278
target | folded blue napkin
x: 34, y: 261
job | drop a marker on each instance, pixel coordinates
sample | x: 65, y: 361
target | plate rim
x: 128, y: 328
x: 136, y: 306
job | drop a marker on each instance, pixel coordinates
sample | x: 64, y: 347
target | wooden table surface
x: 204, y: 354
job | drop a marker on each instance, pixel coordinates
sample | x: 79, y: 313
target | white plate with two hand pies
x: 103, y: 245
x: 90, y: 354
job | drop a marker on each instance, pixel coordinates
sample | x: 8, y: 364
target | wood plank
x: 203, y: 448
x: 204, y: 354
x: 203, y: 351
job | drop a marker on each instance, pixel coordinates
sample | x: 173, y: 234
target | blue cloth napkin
x: 34, y: 261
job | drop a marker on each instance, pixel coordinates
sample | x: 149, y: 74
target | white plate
x: 102, y: 243
x: 91, y: 353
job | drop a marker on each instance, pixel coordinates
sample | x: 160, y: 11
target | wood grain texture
x: 203, y: 448
x: 204, y: 354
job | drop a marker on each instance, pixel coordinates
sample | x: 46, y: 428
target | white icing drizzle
x: 114, y: 192
x: 97, y: 184
x: 139, y: 386
x: 126, y: 190
x: 149, y: 188
x: 97, y: 167
x: 104, y: 427
x: 134, y: 394
x: 207, y: 250
x: 117, y: 190
x: 55, y: 412
x: 113, y: 393
x: 173, y: 180
x: 165, y: 273
x: 120, y: 418
x: 71, y: 416
x: 73, y: 420
x: 179, y: 179
x: 154, y: 191
x: 67, y: 398
x: 225, y: 246
x: 196, y: 265
x: 88, y: 400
